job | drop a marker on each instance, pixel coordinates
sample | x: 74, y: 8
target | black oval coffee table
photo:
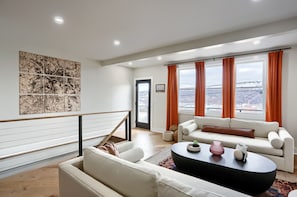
x: 253, y: 177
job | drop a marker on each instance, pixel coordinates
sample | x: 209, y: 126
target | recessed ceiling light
x: 130, y: 63
x: 59, y: 20
x: 116, y: 42
x: 159, y: 58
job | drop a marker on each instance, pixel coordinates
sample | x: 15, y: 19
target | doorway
x: 143, y: 103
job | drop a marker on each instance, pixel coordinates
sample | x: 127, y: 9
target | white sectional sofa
x: 98, y: 173
x: 269, y: 139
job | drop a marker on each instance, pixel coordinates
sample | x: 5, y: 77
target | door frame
x: 139, y: 124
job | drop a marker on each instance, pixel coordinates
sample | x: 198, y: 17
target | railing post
x: 80, y: 135
x: 126, y: 129
x: 129, y: 127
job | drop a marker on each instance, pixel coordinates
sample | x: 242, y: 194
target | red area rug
x: 279, y: 188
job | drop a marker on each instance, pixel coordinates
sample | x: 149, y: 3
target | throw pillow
x: 275, y: 140
x: 230, y: 131
x: 109, y: 148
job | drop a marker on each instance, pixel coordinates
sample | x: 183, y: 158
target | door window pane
x: 143, y: 102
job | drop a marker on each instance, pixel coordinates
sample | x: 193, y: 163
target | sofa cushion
x: 262, y: 128
x: 230, y: 131
x: 189, y: 128
x: 129, y: 179
x: 257, y: 144
x: 275, y: 140
x: 202, y: 120
x: 171, y: 187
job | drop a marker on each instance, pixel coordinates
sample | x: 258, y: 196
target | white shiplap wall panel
x: 26, y: 142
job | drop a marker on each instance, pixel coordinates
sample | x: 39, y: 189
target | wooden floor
x: 43, y: 182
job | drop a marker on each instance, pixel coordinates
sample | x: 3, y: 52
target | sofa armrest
x: 181, y: 127
x: 288, y: 148
x: 74, y: 182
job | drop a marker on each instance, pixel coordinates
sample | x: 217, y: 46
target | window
x: 186, y: 92
x: 250, y: 87
x: 213, y: 88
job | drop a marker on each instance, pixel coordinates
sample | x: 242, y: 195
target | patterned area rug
x: 280, y: 188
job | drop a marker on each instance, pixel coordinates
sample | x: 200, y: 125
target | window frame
x: 248, y: 59
x: 213, y: 63
x: 185, y: 66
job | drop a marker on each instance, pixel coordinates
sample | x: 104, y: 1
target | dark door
x: 143, y: 103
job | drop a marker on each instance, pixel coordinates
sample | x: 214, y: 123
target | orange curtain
x: 200, y: 89
x: 228, y: 88
x: 172, y: 98
x: 274, y: 87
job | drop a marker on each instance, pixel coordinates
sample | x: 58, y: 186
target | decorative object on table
x: 194, y: 147
x: 240, y: 152
x: 216, y: 148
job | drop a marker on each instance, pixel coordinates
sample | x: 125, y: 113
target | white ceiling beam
x: 262, y: 30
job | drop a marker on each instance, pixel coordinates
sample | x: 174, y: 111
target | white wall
x: 102, y: 88
x: 158, y: 75
x: 289, y: 92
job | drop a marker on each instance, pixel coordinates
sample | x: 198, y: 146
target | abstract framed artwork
x: 48, y: 84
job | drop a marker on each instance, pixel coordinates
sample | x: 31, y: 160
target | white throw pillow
x: 275, y: 140
x: 126, y: 178
x: 190, y: 128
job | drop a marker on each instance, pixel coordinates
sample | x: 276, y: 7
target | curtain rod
x: 228, y: 55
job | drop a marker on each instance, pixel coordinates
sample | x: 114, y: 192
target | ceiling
x: 149, y: 28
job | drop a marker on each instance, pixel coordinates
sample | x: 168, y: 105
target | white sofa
x: 98, y: 173
x: 269, y: 140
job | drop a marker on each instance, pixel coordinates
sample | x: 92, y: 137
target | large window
x: 249, y: 93
x: 213, y: 88
x: 186, y: 93
x: 250, y: 87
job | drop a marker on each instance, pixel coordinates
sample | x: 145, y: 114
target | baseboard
x: 158, y: 130
x: 38, y: 164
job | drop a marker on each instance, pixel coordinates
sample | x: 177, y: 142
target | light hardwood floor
x: 43, y: 182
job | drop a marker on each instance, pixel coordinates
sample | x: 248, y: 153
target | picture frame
x: 160, y: 87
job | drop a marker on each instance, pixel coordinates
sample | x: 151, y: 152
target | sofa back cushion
x: 128, y: 179
x: 230, y: 131
x: 262, y: 128
x: 202, y: 120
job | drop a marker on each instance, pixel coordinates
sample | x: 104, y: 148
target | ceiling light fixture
x: 59, y: 20
x: 116, y: 42
x: 256, y: 42
x: 130, y: 63
x: 187, y: 51
x: 159, y: 58
x: 213, y: 46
